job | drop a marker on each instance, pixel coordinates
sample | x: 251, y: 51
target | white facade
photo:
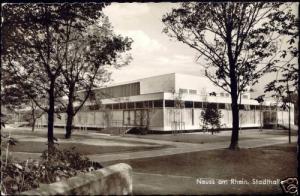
x: 148, y: 104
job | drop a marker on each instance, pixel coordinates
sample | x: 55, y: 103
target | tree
x: 15, y: 97
x: 235, y: 40
x: 89, y: 54
x: 12, y: 96
x: 283, y: 88
x: 32, y: 38
x: 210, y: 117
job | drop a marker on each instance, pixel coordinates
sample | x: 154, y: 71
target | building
x: 168, y: 102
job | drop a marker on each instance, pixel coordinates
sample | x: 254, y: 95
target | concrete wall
x: 192, y: 118
x: 163, y: 83
x: 200, y: 83
x: 113, y: 180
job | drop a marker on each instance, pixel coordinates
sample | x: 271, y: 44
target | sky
x: 154, y: 52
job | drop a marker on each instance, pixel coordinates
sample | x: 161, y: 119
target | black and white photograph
x: 150, y: 98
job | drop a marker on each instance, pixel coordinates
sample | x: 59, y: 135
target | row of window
x: 191, y: 91
x: 177, y: 104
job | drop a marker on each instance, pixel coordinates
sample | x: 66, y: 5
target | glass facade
x: 171, y: 104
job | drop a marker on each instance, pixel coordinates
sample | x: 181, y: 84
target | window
x: 122, y: 105
x: 158, y: 103
x: 188, y: 104
x: 191, y: 91
x: 197, y: 104
x: 130, y: 105
x: 222, y: 94
x: 94, y: 107
x: 221, y: 105
x: 245, y: 96
x: 228, y: 106
x: 116, y: 106
x: 108, y: 106
x: 212, y: 105
x: 147, y: 104
x: 150, y: 104
x: 181, y: 90
x: 169, y: 103
x: 252, y: 107
x: 227, y: 94
x: 247, y: 107
x: 139, y: 105
x: 241, y: 106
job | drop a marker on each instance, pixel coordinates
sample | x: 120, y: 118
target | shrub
x: 56, y: 166
x: 211, y: 118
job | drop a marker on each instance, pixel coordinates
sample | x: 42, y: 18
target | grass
x: 190, y: 138
x: 272, y: 162
x: 84, y: 149
x: 224, y: 163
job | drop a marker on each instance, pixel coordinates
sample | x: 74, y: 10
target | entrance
x: 137, y: 117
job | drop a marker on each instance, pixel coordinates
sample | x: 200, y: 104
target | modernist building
x: 168, y: 102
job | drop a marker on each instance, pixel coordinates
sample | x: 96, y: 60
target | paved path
x: 174, y: 147
x: 188, y: 147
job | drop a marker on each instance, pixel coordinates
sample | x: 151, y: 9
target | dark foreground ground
x: 178, y: 174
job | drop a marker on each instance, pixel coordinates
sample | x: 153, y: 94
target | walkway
x: 187, y: 147
x: 92, y: 138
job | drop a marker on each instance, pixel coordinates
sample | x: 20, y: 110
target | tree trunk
x: 234, y: 102
x: 70, y: 113
x: 235, y: 125
x: 69, y: 125
x: 33, y: 118
x: 51, y: 117
x: 233, y: 88
x: 33, y: 124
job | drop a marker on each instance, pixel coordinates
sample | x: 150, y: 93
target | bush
x: 211, y: 117
x: 56, y: 166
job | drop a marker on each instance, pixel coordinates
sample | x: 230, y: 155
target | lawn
x: 272, y: 162
x: 84, y: 149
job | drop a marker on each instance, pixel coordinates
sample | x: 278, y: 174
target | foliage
x: 19, y: 177
x: 89, y: 55
x: 236, y: 41
x: 210, y: 117
x: 33, y: 36
x: 289, y: 55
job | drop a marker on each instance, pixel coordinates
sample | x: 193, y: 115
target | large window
x: 221, y: 105
x: 212, y: 105
x: 188, y: 104
x: 183, y: 90
x: 108, y: 106
x: 197, y: 104
x: 158, y: 103
x: 241, y: 106
x: 119, y: 91
x: 247, y: 107
x: 122, y: 105
x: 130, y: 105
x: 139, y: 105
x: 227, y: 106
x: 169, y: 103
x: 191, y: 91
x: 116, y: 106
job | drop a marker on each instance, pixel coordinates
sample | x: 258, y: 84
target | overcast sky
x: 153, y: 52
